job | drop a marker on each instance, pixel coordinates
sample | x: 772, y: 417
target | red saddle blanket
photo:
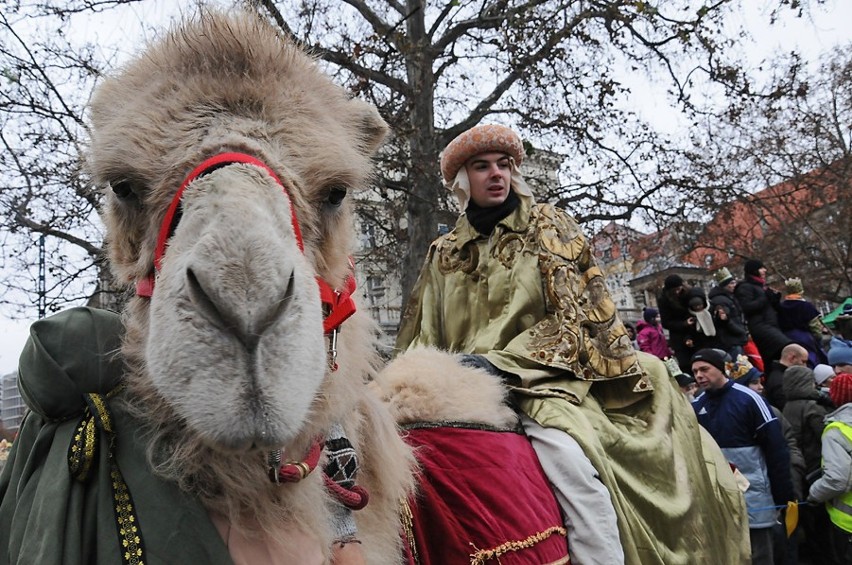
x: 482, y: 498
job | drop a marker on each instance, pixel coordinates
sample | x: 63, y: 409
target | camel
x: 228, y: 161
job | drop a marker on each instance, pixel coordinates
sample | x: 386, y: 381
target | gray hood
x: 799, y: 384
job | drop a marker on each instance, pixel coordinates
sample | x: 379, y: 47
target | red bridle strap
x: 338, y: 304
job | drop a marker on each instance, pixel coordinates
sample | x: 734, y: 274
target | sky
x: 828, y: 28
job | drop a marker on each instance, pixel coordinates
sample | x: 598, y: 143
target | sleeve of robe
x: 422, y: 319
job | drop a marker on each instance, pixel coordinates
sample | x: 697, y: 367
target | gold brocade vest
x: 532, y: 300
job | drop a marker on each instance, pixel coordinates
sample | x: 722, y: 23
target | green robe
x: 47, y: 517
x: 531, y: 299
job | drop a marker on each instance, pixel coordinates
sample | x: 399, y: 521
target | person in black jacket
x: 759, y: 303
x: 677, y: 319
x: 792, y: 355
x: 727, y: 314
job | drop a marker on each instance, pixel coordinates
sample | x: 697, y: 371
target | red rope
x: 355, y: 498
x: 296, y: 471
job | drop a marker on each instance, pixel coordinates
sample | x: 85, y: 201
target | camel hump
x: 429, y: 385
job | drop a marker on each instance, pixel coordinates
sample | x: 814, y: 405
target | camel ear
x: 370, y: 125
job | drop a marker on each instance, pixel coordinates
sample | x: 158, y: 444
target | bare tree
x: 557, y: 70
x: 548, y: 67
x: 795, y: 143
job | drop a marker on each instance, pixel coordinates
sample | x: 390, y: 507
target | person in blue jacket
x: 742, y: 423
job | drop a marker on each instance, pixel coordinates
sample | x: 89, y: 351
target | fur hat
x: 715, y: 357
x: 723, y: 276
x: 648, y: 314
x: 840, y: 389
x: 822, y: 373
x: 752, y: 267
x: 839, y: 355
x: 794, y: 286
x: 672, y: 281
x: 742, y: 370
x: 480, y: 139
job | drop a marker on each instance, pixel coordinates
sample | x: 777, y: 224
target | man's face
x: 707, y: 376
x: 762, y: 272
x: 842, y: 368
x: 490, y: 177
x: 731, y: 285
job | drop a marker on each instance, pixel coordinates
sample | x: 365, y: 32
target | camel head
x: 231, y: 337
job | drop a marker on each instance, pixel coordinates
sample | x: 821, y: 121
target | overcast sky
x: 829, y: 27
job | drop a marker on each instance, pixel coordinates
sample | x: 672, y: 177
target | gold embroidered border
x: 483, y: 555
x: 83, y: 448
x: 128, y: 531
x: 407, y: 519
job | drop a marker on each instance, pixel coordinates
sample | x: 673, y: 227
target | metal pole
x: 42, y: 279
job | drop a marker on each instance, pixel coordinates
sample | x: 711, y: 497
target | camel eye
x: 125, y: 189
x: 336, y: 194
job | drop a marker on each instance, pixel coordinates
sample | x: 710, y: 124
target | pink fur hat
x: 476, y: 140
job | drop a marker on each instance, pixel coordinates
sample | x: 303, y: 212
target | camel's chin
x: 248, y: 442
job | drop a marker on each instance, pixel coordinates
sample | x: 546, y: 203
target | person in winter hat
x: 840, y: 357
x: 751, y: 438
x: 759, y: 303
x: 834, y: 487
x: 727, y: 314
x: 650, y: 337
x: 806, y: 410
x: 677, y: 319
x: 516, y: 283
x: 801, y: 321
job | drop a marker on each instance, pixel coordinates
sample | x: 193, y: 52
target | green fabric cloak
x: 532, y: 300
x: 47, y: 517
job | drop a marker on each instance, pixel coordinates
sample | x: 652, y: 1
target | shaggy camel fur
x: 227, y: 359
x: 428, y: 385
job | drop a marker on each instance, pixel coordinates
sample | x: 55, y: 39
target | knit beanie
x: 648, y: 314
x: 752, y: 267
x: 715, y: 357
x: 822, y: 373
x: 672, y: 281
x: 840, y: 389
x: 839, y: 355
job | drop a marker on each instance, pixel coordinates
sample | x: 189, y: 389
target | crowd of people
x: 773, y: 386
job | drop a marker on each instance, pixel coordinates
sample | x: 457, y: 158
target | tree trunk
x: 423, y: 179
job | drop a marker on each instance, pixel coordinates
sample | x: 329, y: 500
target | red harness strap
x: 338, y: 305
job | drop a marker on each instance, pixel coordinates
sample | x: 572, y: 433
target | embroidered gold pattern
x: 83, y: 449
x: 407, y: 519
x: 128, y: 531
x: 482, y: 556
x: 81, y: 456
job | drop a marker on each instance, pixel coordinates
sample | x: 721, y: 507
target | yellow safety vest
x: 840, y: 508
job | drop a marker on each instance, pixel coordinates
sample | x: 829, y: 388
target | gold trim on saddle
x: 482, y: 556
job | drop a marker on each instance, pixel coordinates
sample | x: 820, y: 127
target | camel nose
x: 247, y: 319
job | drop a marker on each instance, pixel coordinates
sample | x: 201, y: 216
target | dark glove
x: 476, y: 361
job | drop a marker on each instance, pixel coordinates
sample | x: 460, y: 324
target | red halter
x: 337, y: 303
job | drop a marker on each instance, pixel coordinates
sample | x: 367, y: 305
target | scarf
x: 704, y: 321
x: 485, y: 219
x: 758, y: 280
